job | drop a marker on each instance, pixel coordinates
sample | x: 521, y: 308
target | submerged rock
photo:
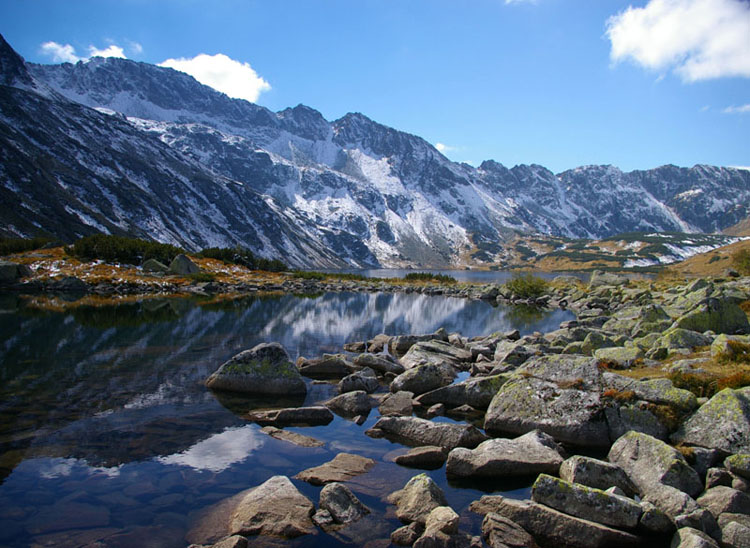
x: 343, y: 467
x: 264, y: 369
x: 310, y: 416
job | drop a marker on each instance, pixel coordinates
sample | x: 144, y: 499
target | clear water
x: 108, y: 435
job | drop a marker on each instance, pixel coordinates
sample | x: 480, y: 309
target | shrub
x: 736, y: 380
x: 527, y: 286
x: 309, y: 275
x: 703, y: 386
x: 122, y: 249
x: 19, y: 245
x: 429, y: 277
x: 244, y: 257
x: 741, y: 261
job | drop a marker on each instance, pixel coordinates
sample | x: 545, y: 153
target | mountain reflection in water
x: 100, y: 401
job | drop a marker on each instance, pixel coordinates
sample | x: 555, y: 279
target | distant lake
x: 108, y: 434
x: 479, y: 276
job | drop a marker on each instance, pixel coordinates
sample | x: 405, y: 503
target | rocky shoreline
x: 675, y: 469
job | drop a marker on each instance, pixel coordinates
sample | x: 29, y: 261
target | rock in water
x: 341, y: 503
x: 417, y: 499
x: 343, y: 467
x: 264, y: 369
x: 183, y: 266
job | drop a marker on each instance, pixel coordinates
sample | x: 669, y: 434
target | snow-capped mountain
x: 186, y: 164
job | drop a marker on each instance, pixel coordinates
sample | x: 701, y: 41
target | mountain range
x: 117, y: 146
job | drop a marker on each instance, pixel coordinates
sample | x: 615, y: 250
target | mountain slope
x: 321, y: 192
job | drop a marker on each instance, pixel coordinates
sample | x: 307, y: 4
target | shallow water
x: 107, y: 432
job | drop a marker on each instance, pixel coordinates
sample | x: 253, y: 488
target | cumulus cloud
x: 110, y: 51
x: 222, y: 73
x: 65, y: 53
x: 697, y: 39
x: 60, y: 53
x: 742, y: 109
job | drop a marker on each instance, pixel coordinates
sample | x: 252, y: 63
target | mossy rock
x: 731, y: 348
x: 717, y: 315
x: 621, y: 357
x: 264, y: 369
x: 682, y: 338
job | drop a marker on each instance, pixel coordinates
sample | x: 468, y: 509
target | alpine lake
x: 108, y: 436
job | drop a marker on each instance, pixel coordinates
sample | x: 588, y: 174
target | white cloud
x: 60, y: 53
x: 442, y: 148
x: 135, y: 48
x: 742, y: 109
x: 222, y: 73
x: 697, y: 39
x: 110, y: 51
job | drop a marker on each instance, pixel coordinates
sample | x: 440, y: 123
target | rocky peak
x: 305, y: 122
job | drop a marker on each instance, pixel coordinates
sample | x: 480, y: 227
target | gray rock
x: 292, y: 437
x: 477, y: 393
x: 416, y: 432
x: 596, y: 473
x: 718, y: 476
x: 649, y: 463
x: 182, y: 265
x: 399, y: 403
x: 441, y: 531
x: 10, y: 272
x: 551, y: 527
x: 512, y: 353
x: 721, y: 423
x: 381, y: 364
x: 364, y: 380
x: 435, y: 352
x: 671, y: 501
x: 600, y: 278
x: 343, y: 467
x: 721, y: 499
x: 530, y: 454
x: 399, y: 346
x: 341, y: 503
x: 735, y: 535
x: 299, y: 416
x: 676, y: 337
x: 619, y: 357
x: 586, y: 502
x: 428, y: 457
x: 152, y: 265
x: 700, y: 519
x: 719, y: 315
x: 739, y: 464
x: 654, y: 521
x: 500, y: 532
x: 623, y: 418
x: 657, y: 391
x: 327, y: 367
x: 417, y: 499
x: 442, y: 519
x: 235, y: 541
x: 423, y: 378
x: 408, y: 534
x: 727, y: 347
x: 264, y: 369
x: 351, y: 404
x: 692, y: 538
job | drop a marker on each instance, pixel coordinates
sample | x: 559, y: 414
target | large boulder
x: 351, y: 404
x: 600, y: 278
x: 182, y: 265
x: 381, y: 364
x: 720, y: 315
x: 417, y: 499
x: 586, y: 502
x: 343, y: 506
x: 360, y: 380
x: 530, y: 454
x: 719, y: 500
x: 554, y: 528
x: 657, y: 391
x: 416, y: 432
x: 596, y: 473
x: 434, y: 352
x: 651, y: 463
x: 477, y: 393
x: 264, y: 369
x: 399, y: 346
x: 721, y: 423
x: 424, y: 378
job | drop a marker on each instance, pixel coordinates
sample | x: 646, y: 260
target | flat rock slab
x: 428, y: 457
x: 721, y: 423
x: 596, y: 473
x: 530, y: 454
x: 416, y: 432
x: 399, y: 403
x: 302, y: 416
x: 552, y: 527
x: 343, y: 467
x: 292, y: 437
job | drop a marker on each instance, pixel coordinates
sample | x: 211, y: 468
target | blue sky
x: 560, y: 83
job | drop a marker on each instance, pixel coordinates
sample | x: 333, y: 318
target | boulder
x: 351, y: 404
x: 417, y: 499
x: 651, y: 463
x: 530, y: 454
x: 657, y: 391
x: 687, y: 537
x: 343, y: 467
x: 596, y: 473
x: 361, y: 380
x: 623, y: 417
x: 343, y: 506
x: 654, y: 521
x: 500, y: 532
x: 720, y: 315
x: 428, y: 457
x: 399, y: 346
x: 408, y: 534
x: 399, y: 403
x: 735, y: 535
x: 264, y: 369
x: 722, y: 423
x: 152, y: 265
x: 182, y: 265
x: 436, y: 352
x: 441, y: 531
x: 739, y: 464
x: 512, y: 353
x: 586, y: 502
x: 380, y: 364
x: 477, y: 393
x: 620, y: 357
x: 676, y: 337
x: 600, y: 278
x: 720, y: 499
x: 292, y: 437
x: 299, y: 416
x: 554, y: 528
x: 424, y: 378
x: 328, y: 367
x: 416, y: 432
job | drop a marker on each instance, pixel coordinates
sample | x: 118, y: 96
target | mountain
x: 118, y: 146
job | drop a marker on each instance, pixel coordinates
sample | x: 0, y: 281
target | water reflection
x: 100, y: 401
